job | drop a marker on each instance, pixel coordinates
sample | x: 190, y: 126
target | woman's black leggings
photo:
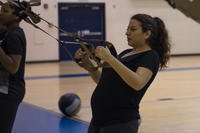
x: 8, y: 109
x: 127, y: 127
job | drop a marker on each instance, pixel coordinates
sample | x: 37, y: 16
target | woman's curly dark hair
x: 159, y: 39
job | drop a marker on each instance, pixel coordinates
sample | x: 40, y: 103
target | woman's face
x: 135, y: 36
x: 6, y: 14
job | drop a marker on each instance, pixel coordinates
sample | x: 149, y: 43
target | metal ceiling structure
x: 190, y: 8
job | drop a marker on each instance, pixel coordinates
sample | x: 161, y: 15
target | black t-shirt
x: 13, y: 85
x: 113, y: 101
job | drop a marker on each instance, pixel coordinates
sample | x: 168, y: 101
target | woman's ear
x: 147, y: 34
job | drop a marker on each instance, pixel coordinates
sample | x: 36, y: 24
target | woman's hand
x: 83, y: 60
x: 103, y: 53
x: 81, y: 56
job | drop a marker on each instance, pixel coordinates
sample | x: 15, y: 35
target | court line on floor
x: 180, y: 69
x: 57, y: 76
x: 171, y: 99
x: 86, y: 75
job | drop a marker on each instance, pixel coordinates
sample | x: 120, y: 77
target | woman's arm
x: 95, y: 75
x: 10, y: 62
x: 84, y: 62
x: 137, y: 80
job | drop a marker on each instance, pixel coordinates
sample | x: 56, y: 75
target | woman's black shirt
x: 113, y: 101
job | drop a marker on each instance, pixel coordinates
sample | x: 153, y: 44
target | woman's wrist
x: 93, y: 70
x: 110, y: 59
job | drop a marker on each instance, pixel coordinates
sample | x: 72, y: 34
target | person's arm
x: 83, y: 61
x: 137, y: 80
x: 10, y: 62
x: 95, y: 75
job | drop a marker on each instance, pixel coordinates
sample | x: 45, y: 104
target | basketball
x: 69, y: 104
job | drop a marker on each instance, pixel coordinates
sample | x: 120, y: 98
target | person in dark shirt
x: 12, y: 63
x: 121, y: 87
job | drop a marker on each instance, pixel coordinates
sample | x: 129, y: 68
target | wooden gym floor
x: 170, y: 105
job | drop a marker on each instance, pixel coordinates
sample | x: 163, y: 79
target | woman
x: 120, y: 87
x: 12, y: 63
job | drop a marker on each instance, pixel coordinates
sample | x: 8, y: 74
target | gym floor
x: 169, y: 106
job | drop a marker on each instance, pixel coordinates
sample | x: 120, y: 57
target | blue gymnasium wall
x: 85, y: 19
